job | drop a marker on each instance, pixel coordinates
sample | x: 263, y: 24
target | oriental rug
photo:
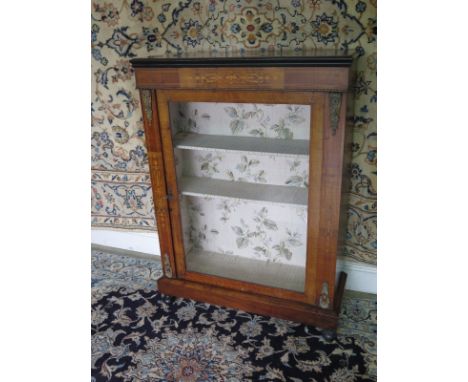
x: 139, y: 334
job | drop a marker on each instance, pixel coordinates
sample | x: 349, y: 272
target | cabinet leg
x: 339, y: 292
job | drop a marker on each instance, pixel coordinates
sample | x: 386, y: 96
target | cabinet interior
x: 243, y: 174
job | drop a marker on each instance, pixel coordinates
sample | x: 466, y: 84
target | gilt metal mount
x: 324, y: 300
x: 146, y: 100
x: 334, y: 106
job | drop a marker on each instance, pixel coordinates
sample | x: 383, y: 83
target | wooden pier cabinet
x: 248, y: 158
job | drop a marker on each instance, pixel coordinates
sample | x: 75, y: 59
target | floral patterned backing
x: 273, y: 232
x: 121, y: 30
x: 248, y: 120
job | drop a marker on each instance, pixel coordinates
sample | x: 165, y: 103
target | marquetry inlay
x: 231, y: 79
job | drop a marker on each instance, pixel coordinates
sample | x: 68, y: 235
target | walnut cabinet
x: 248, y: 158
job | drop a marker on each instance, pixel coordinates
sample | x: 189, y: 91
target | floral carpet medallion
x: 138, y: 334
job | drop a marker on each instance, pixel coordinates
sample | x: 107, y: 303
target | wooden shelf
x: 190, y: 141
x: 276, y: 275
x: 194, y: 186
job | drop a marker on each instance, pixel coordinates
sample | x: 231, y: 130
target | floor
x: 115, y: 270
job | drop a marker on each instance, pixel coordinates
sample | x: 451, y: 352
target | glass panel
x: 242, y: 173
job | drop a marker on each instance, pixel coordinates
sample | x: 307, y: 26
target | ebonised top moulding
x: 311, y: 58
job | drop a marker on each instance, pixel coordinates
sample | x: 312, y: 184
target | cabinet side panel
x: 158, y: 183
x: 315, y: 180
x: 331, y: 196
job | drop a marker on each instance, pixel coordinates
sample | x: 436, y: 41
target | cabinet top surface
x: 306, y: 58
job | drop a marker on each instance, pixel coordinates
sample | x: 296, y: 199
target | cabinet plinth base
x: 250, y: 302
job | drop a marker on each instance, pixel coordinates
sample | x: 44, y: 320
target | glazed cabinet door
x: 244, y: 186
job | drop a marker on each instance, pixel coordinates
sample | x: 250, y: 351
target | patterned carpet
x: 140, y: 335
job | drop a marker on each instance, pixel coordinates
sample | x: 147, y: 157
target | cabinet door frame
x: 320, y: 266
